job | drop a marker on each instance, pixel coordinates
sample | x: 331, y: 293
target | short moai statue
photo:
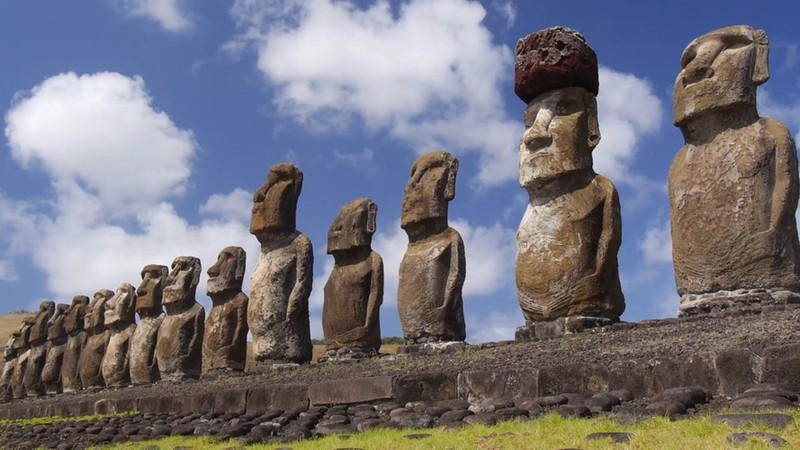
x: 9, y: 361
x: 354, y: 291
x: 142, y: 354
x: 76, y: 338
x: 38, y: 354
x: 281, y: 284
x: 567, y: 242
x: 433, y: 268
x: 56, y: 346
x: 121, y: 324
x: 90, y: 364
x: 23, y: 350
x: 733, y: 186
x: 225, y: 341
x: 179, y: 350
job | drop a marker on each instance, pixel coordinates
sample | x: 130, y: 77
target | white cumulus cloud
x: 656, y: 245
x: 171, y: 15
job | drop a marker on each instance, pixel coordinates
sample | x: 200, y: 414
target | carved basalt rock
x: 552, y: 59
x: 76, y: 338
x: 142, y: 354
x: 38, y: 352
x: 733, y: 186
x: 354, y: 291
x: 56, y: 345
x: 225, y: 341
x: 22, y: 346
x: 179, y: 349
x: 433, y: 268
x: 9, y: 361
x: 120, y: 321
x: 281, y: 284
x: 90, y: 365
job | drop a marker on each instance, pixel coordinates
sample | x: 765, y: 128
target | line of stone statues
x: 733, y: 192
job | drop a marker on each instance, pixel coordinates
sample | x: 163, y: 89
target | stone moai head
x: 720, y: 71
x: 55, y: 328
x: 151, y: 290
x: 181, y: 283
x: 39, y: 330
x: 23, y: 342
x: 120, y: 308
x: 73, y: 322
x: 227, y: 274
x: 353, y: 227
x: 429, y: 190
x: 95, y: 313
x: 275, y: 203
x: 10, y: 351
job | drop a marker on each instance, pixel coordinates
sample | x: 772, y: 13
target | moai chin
x: 433, y: 268
x: 567, y: 242
x: 354, y: 291
x: 38, y: 352
x: 120, y: 321
x: 76, y: 338
x: 142, y: 355
x: 225, y: 340
x: 179, y: 349
x: 733, y: 186
x: 90, y: 364
x: 22, y: 346
x: 277, y: 314
x: 9, y: 361
x: 56, y: 346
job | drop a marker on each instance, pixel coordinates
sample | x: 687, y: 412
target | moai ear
x: 372, y: 215
x: 761, y: 69
x: 591, y: 116
x: 452, y: 171
x: 197, y: 270
x: 298, y: 182
x: 241, y: 262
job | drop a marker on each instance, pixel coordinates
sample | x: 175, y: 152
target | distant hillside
x: 9, y: 323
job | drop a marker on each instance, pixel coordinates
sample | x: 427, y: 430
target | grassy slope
x: 9, y: 323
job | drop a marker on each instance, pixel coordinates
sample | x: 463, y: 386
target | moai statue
x: 433, y: 269
x: 9, y: 361
x: 38, y: 353
x: 568, y: 239
x: 179, y: 349
x: 354, y: 291
x: 22, y: 346
x: 121, y: 323
x: 76, y: 338
x: 225, y: 341
x: 143, y: 364
x: 733, y: 186
x: 56, y: 346
x: 281, y: 284
x: 90, y: 364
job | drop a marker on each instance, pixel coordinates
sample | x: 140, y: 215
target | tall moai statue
x: 76, y: 338
x: 433, y: 268
x: 179, y: 350
x: 9, y: 361
x: 733, y: 186
x: 90, y: 364
x: 568, y: 239
x: 142, y: 355
x: 354, y: 291
x: 56, y: 346
x: 38, y: 354
x: 225, y: 341
x: 23, y: 350
x: 121, y: 323
x: 281, y: 284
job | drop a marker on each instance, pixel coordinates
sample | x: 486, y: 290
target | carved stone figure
x: 354, y: 291
x: 179, y: 349
x: 433, y: 268
x: 733, y: 186
x: 22, y: 347
x: 142, y: 354
x: 9, y: 361
x: 281, y: 284
x: 120, y: 321
x: 56, y: 345
x: 568, y: 239
x: 38, y: 352
x: 76, y: 338
x: 90, y: 365
x: 225, y: 341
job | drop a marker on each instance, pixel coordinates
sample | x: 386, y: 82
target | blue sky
x: 135, y: 131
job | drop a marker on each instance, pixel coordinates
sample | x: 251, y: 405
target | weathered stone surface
x: 354, y: 291
x: 9, y: 361
x: 568, y: 239
x: 142, y: 355
x: 38, y: 351
x: 351, y: 390
x: 231, y: 401
x: 551, y: 59
x: 56, y: 345
x: 733, y: 186
x: 76, y: 338
x: 744, y: 437
x: 120, y: 321
x: 735, y: 370
x: 430, y: 387
x: 282, y: 396
x: 782, y: 365
x: 481, y: 386
x: 281, y: 284
x: 581, y: 378
x: 433, y: 269
x: 776, y: 421
x: 225, y: 340
x: 90, y: 365
x: 22, y: 347
x: 179, y: 349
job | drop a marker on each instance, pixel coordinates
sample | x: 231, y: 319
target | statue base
x: 219, y: 373
x: 537, y: 331
x: 267, y: 366
x: 744, y: 300
x: 432, y: 348
x: 344, y: 354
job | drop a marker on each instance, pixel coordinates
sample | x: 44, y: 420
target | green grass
x: 57, y: 419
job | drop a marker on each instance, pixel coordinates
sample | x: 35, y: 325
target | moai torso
x: 94, y: 348
x: 22, y: 347
x: 56, y: 345
x: 76, y: 338
x: 142, y: 353
x: 9, y: 361
x: 119, y: 320
x: 225, y: 340
x: 38, y: 353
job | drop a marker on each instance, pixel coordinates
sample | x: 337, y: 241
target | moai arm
x: 196, y: 343
x: 785, y: 188
x: 611, y: 236
x: 373, y: 304
x: 303, y: 277
x: 457, y: 274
